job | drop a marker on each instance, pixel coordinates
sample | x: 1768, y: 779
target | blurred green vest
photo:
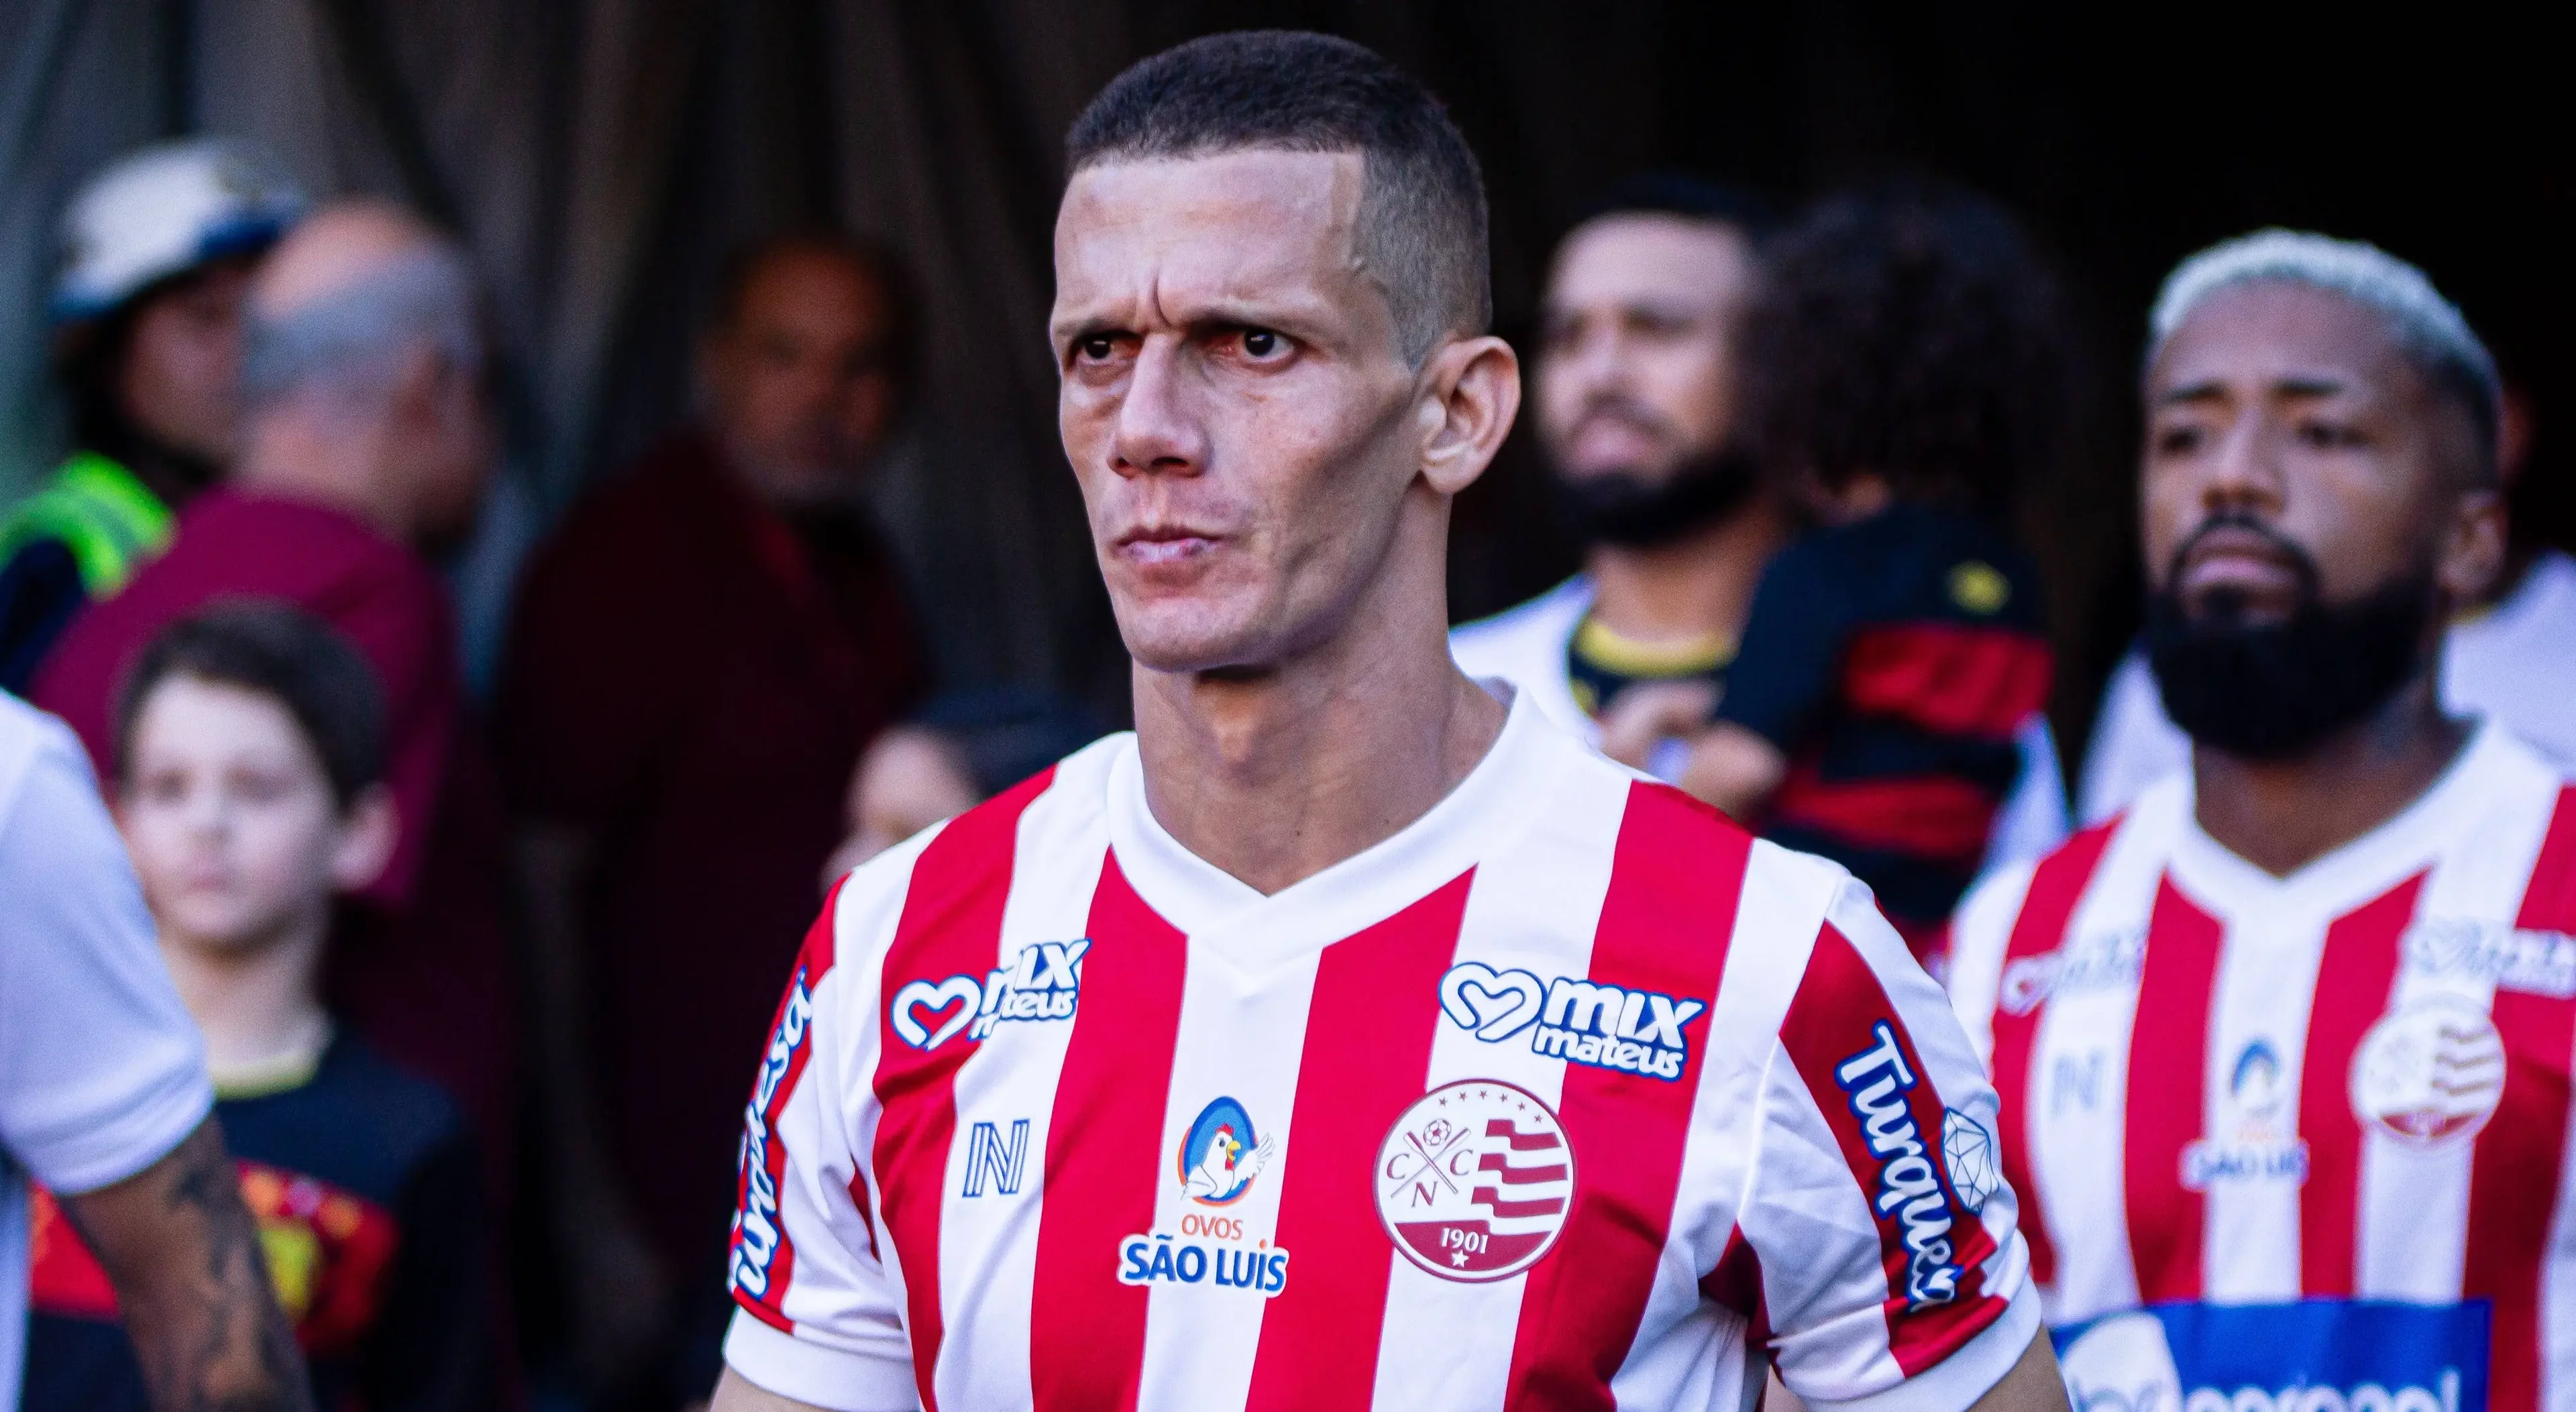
x: 99, y: 511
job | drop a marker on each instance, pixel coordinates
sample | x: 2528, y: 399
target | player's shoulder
x: 944, y: 869
x: 2503, y: 753
x: 1781, y: 896
x: 1489, y: 646
x: 28, y: 737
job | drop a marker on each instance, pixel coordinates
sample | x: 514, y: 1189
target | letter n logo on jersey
x: 993, y: 1163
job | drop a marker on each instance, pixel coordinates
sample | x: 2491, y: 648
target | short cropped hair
x: 1907, y: 331
x: 899, y: 351
x: 353, y: 339
x: 286, y: 655
x: 1677, y: 193
x: 1422, y: 222
x: 2430, y: 332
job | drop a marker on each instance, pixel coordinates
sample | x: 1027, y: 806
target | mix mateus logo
x: 1044, y: 982
x: 1605, y: 1026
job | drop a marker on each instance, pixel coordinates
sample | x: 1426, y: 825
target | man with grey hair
x: 2284, y: 1048
x: 2505, y: 656
x: 366, y: 434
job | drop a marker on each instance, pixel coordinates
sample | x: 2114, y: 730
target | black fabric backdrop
x: 600, y: 155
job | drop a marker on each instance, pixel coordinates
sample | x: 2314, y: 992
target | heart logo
x: 960, y: 991
x: 1494, y: 1004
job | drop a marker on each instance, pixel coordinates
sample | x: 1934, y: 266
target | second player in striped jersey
x: 2284, y: 1050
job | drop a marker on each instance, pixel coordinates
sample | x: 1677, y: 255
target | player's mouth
x: 2254, y: 566
x: 1163, y: 546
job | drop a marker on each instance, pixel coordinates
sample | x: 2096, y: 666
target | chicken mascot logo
x: 1221, y: 1155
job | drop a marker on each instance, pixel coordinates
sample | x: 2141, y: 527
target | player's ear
x: 2473, y: 546
x: 1471, y: 392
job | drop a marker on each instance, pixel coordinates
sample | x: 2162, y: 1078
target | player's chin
x: 1191, y: 637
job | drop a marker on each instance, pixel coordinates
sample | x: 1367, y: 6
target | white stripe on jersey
x: 988, y: 1242
x: 1518, y: 919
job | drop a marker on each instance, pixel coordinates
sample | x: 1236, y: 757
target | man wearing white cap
x: 156, y: 253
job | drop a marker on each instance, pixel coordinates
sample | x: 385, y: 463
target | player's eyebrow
x: 1090, y: 325
x: 2310, y: 385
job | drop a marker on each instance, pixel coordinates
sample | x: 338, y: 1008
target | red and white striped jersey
x: 2304, y: 1135
x: 1562, y: 1097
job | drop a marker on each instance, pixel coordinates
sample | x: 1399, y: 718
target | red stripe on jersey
x: 2039, y: 930
x: 1855, y: 1052
x: 1952, y: 679
x: 2515, y: 1173
x: 951, y: 926
x: 763, y: 1162
x: 1934, y: 816
x: 1104, y: 1160
x: 1369, y: 1029
x: 2354, y: 980
x: 1676, y: 875
x: 2168, y: 1076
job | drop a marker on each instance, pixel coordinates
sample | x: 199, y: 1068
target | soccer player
x: 1344, y: 1037
x: 2284, y: 1049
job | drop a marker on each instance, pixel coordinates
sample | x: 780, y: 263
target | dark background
x: 601, y: 155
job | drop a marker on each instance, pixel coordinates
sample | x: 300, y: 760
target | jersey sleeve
x: 101, y: 1070
x: 819, y: 1312
x: 1891, y: 1273
x: 1783, y: 674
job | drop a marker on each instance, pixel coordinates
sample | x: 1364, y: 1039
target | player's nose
x: 1158, y: 430
x: 2243, y: 474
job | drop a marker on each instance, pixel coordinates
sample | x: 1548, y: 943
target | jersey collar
x: 2365, y: 866
x: 1495, y: 802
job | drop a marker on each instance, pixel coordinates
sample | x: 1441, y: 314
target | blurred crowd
x: 481, y: 985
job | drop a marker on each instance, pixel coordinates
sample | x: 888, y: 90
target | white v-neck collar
x: 2353, y: 872
x: 1499, y: 797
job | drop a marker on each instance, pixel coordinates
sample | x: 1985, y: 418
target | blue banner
x: 2318, y: 1355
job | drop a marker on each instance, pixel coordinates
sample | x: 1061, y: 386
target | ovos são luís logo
x: 1219, y: 1158
x: 1583, y: 1022
x: 1043, y: 982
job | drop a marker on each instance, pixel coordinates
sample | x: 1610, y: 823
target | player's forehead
x: 2272, y: 338
x: 1171, y: 240
x: 1631, y: 258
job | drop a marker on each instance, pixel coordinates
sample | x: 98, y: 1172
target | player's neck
x: 1275, y: 775
x: 256, y: 1003
x: 1696, y: 587
x: 2281, y: 815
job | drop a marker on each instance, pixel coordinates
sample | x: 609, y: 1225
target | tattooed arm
x: 185, y: 1259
